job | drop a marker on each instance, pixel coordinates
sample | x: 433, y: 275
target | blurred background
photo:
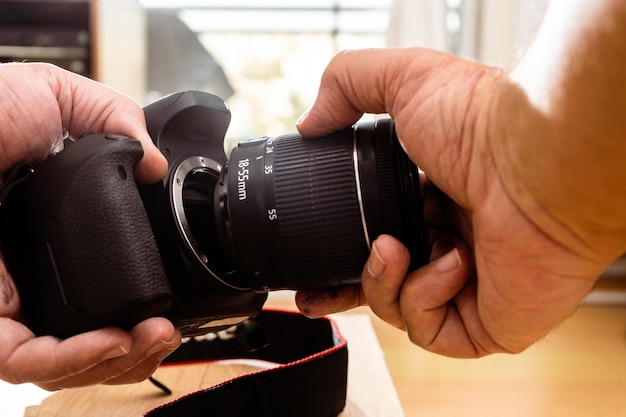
x: 264, y: 58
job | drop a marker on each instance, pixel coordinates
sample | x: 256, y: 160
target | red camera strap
x: 309, y: 381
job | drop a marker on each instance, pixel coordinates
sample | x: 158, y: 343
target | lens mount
x: 197, y: 176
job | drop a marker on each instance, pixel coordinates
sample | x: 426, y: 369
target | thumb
x: 377, y: 81
x: 436, y: 100
x: 353, y: 83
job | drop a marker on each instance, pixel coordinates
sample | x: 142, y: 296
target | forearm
x: 559, y: 140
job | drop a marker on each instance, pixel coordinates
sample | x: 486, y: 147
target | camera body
x: 85, y: 252
x: 89, y: 247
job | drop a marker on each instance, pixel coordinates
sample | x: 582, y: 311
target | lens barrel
x: 299, y: 213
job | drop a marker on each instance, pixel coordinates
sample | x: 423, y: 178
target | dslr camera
x: 89, y: 247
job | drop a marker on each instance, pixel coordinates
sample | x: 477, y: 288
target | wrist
x: 558, y: 177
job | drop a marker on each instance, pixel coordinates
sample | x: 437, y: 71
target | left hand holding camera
x: 39, y: 105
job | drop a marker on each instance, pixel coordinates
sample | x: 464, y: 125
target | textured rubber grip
x: 78, y: 243
x: 320, y: 223
x: 109, y: 237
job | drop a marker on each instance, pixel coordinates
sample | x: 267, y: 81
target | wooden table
x: 578, y: 371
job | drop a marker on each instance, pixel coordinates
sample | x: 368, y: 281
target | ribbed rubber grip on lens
x: 319, y: 226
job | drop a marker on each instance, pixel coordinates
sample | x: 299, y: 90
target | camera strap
x: 309, y: 380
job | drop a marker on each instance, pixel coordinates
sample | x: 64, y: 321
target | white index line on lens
x: 355, y: 158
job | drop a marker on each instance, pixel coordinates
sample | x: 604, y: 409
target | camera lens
x: 297, y: 213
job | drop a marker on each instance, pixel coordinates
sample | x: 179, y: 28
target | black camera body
x: 89, y: 247
x: 80, y: 244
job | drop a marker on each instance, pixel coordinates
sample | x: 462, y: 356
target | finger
x: 26, y: 358
x: 153, y: 165
x: 339, y: 104
x: 320, y: 302
x: 161, y: 339
x: 427, y: 305
x: 85, y: 359
x: 129, y: 120
x: 378, y: 81
x: 142, y: 370
x: 440, y: 309
x: 151, y: 340
x: 383, y: 277
x: 88, y: 106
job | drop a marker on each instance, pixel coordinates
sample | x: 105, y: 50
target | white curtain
x: 418, y: 23
x: 491, y: 31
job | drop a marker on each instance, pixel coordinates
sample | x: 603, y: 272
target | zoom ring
x: 321, y: 237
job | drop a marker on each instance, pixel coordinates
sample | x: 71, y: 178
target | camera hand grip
x: 96, y: 260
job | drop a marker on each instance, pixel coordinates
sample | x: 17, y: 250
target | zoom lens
x: 297, y: 213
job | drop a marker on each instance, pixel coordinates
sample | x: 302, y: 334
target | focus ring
x: 390, y: 192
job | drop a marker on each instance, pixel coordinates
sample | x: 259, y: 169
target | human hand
x: 498, y: 279
x: 39, y: 104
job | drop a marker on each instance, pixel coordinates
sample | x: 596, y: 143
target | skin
x: 38, y: 104
x: 524, y: 192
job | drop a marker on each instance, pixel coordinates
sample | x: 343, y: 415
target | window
x: 267, y: 57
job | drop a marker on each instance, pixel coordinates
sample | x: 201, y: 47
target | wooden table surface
x: 578, y: 371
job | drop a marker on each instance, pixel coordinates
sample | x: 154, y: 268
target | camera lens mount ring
x: 191, y: 165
